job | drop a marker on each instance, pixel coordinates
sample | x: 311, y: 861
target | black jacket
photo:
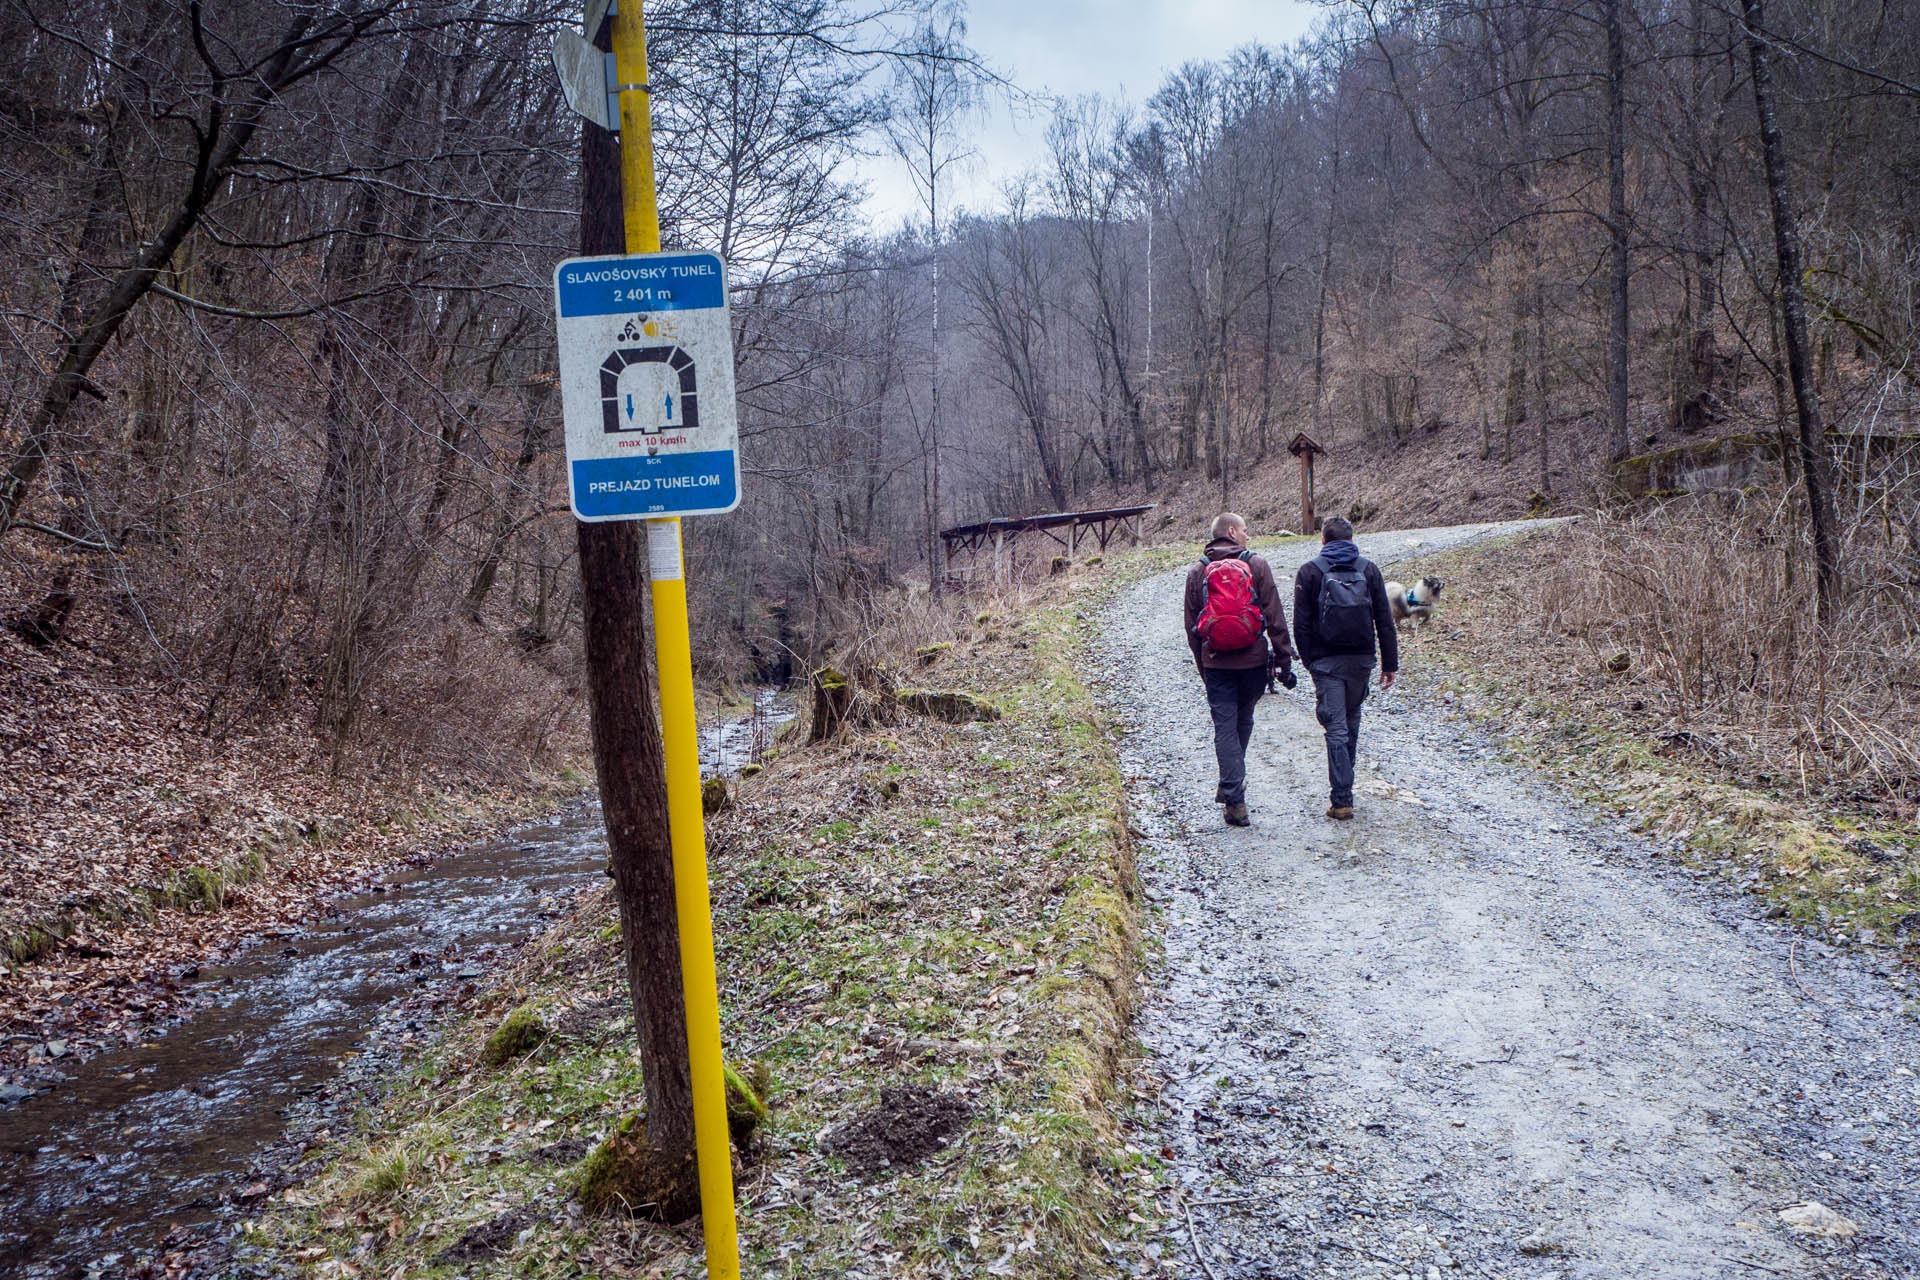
x: 1306, y: 613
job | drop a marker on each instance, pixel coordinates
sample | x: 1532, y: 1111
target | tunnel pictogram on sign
x: 619, y: 413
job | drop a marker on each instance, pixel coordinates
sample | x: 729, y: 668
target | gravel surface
x: 1484, y: 1029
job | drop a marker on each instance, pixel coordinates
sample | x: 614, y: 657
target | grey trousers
x: 1231, y: 696
x: 1339, y: 687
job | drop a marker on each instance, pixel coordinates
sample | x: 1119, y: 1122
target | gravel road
x: 1484, y: 1029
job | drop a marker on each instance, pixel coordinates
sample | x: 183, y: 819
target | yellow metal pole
x: 673, y: 650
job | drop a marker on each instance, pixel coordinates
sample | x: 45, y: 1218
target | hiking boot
x: 1340, y: 812
x: 1237, y: 816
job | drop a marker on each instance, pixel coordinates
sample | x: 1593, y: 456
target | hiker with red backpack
x: 1238, y: 633
x: 1341, y: 616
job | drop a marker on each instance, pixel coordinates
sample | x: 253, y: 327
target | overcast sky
x: 1075, y: 47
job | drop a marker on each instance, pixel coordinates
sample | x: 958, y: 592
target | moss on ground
x: 746, y: 1102
x: 626, y: 1174
x: 519, y: 1034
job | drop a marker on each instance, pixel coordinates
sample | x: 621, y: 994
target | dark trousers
x: 1339, y: 687
x: 1231, y: 696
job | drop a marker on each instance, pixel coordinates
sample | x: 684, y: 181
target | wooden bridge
x: 1067, y: 528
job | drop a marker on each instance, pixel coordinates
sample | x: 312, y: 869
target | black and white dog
x: 1415, y: 602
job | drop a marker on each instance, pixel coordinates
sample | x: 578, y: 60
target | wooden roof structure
x: 1104, y: 524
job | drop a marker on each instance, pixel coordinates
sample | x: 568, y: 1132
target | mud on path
x: 1484, y: 1029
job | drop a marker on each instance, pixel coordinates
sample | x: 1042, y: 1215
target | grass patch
x: 946, y: 905
x: 388, y: 1169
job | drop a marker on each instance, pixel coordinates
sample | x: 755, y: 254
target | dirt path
x: 1485, y: 1027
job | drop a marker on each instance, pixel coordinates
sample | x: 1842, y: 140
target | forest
x: 279, y: 418
x: 1600, y: 315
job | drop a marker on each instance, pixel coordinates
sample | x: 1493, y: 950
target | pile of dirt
x: 489, y: 1238
x: 911, y: 1123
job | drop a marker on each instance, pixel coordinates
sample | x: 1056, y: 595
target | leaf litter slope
x: 1484, y: 1024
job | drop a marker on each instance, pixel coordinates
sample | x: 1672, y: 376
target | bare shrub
x: 1715, y: 613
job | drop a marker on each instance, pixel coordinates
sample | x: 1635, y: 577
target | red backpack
x: 1230, y: 617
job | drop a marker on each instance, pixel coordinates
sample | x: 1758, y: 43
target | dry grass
x: 1742, y: 767
x: 1712, y: 619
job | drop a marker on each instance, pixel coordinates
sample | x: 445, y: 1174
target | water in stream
x: 140, y: 1142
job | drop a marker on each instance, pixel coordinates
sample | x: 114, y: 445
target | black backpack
x: 1346, y: 607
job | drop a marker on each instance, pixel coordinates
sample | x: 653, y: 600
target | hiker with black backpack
x: 1238, y: 633
x: 1340, y: 617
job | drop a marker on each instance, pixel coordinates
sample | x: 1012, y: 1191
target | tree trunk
x: 532, y: 442
x: 1619, y: 443
x: 630, y: 762
x: 1540, y: 383
x: 1320, y: 300
x: 1515, y: 410
x: 343, y: 482
x: 219, y: 148
x: 1697, y: 402
x: 1266, y: 353
x: 1812, y: 441
x: 936, y: 569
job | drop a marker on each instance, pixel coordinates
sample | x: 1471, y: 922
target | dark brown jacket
x: 1256, y: 654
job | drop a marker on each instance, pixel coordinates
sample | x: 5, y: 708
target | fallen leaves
x: 137, y: 846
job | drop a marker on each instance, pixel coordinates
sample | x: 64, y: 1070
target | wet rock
x: 58, y: 1048
x: 1811, y: 1218
x: 1869, y: 850
x: 564, y: 1151
x: 950, y: 705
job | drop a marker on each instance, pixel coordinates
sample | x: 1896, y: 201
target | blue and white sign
x: 646, y: 386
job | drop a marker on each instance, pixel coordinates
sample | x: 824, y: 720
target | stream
x: 141, y: 1148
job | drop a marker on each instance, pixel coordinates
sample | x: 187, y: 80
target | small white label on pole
x: 663, y: 552
x: 646, y: 386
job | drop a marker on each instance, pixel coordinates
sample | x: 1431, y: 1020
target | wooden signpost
x: 1303, y: 448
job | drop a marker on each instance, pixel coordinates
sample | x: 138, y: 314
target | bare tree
x: 1811, y: 439
x: 937, y: 88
